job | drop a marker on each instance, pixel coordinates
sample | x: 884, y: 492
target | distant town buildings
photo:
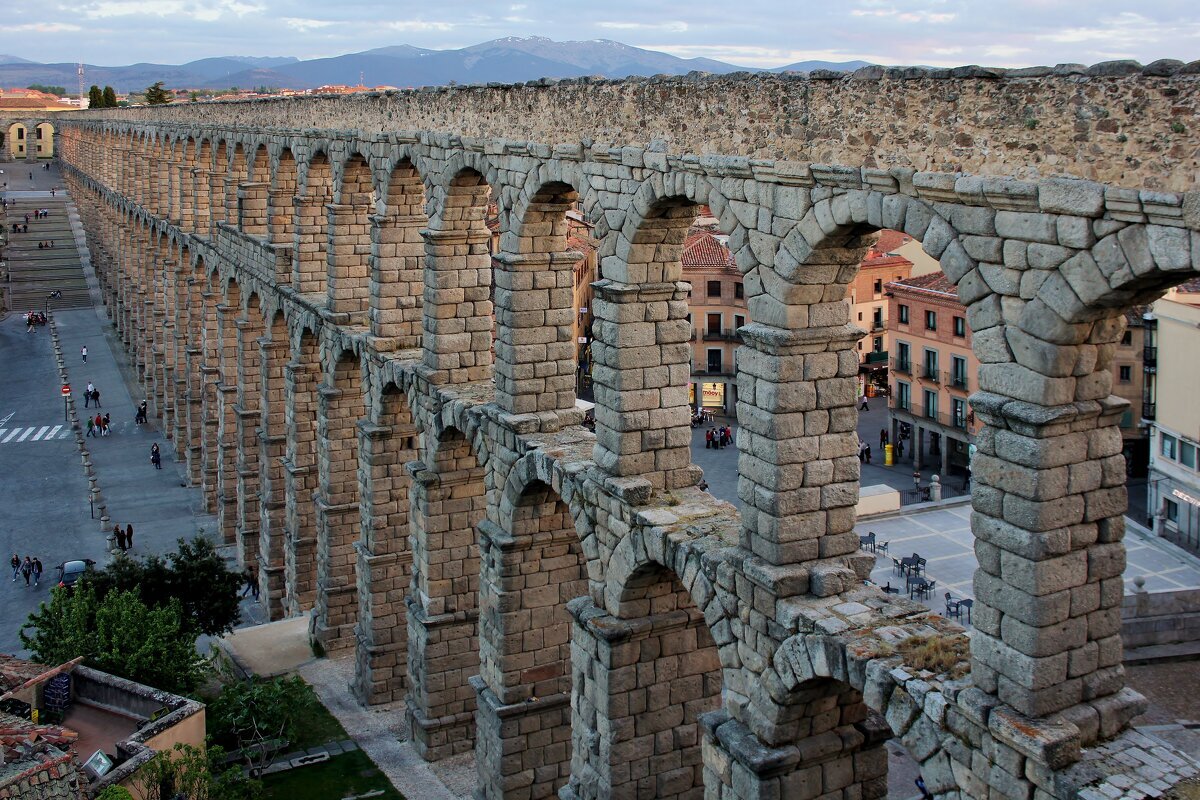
x: 1172, y: 413
x: 869, y: 306
x: 718, y: 309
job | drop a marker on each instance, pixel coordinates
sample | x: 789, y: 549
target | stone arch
x: 397, y: 264
x: 302, y: 377
x: 284, y: 187
x: 531, y: 568
x: 350, y: 238
x: 449, y: 502
x: 44, y: 139
x: 536, y: 352
x: 457, y: 309
x: 311, y: 240
x: 641, y: 685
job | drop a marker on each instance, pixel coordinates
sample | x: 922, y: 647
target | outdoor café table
x: 911, y: 563
x: 916, y: 584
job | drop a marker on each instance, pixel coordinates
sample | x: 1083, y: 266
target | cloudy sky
x: 747, y: 32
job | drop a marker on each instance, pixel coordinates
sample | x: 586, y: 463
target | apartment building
x: 869, y: 307
x: 933, y: 372
x: 1172, y: 340
x: 718, y: 309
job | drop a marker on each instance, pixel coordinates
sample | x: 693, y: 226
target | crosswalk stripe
x: 40, y: 433
x: 43, y: 433
x: 14, y: 433
x: 53, y: 431
x: 25, y: 435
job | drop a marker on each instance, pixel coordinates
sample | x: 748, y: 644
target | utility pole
x: 79, y: 73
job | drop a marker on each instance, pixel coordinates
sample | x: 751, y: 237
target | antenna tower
x: 79, y: 72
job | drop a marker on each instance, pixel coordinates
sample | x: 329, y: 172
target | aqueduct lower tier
x: 388, y: 430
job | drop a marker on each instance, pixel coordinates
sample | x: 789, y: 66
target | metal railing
x: 875, y: 357
x: 1150, y: 356
x: 930, y: 373
x: 957, y: 381
x: 902, y: 366
x: 1149, y: 410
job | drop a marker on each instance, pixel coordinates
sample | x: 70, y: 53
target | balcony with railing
x: 877, y: 325
x: 902, y: 365
x: 722, y: 335
x: 1149, y: 410
x: 875, y: 357
x: 930, y: 372
x: 1150, y: 357
x: 957, y: 380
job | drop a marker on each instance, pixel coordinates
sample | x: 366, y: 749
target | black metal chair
x: 953, y: 607
x: 897, y: 567
x: 881, y: 547
x: 926, y: 591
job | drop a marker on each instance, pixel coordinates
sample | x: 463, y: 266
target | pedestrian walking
x: 155, y: 456
x: 129, y: 536
x: 37, y: 571
x: 119, y: 537
x: 883, y: 438
x: 26, y: 569
x: 99, y: 423
x: 87, y: 394
x: 862, y: 451
x: 104, y: 425
x: 15, y: 563
x: 251, y: 581
x: 708, y: 439
x: 91, y: 426
x: 868, y: 454
x: 96, y: 397
x: 83, y: 352
x: 141, y: 413
x: 862, y: 404
x: 899, y: 449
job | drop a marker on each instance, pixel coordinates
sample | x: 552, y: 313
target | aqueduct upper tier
x: 379, y: 404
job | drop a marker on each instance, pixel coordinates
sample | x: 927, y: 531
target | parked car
x: 69, y: 572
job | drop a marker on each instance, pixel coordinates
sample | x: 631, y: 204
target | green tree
x: 118, y: 634
x: 110, y: 97
x: 114, y: 792
x: 57, y: 91
x: 95, y: 97
x: 195, y: 574
x: 196, y: 774
x: 156, y: 95
x: 248, y: 713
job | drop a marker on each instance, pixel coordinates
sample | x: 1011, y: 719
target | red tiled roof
x: 702, y: 249
x: 889, y: 242
x: 16, y: 671
x: 932, y: 282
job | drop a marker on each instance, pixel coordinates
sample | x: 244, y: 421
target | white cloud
x: 410, y: 25
x: 1004, y: 51
x: 908, y: 17
x: 665, y: 27
x: 301, y: 25
x: 44, y: 27
x: 177, y: 9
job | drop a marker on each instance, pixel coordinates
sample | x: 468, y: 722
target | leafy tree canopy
x: 196, y: 774
x: 254, y: 711
x: 95, y: 97
x: 118, y: 634
x: 57, y: 91
x: 156, y: 95
x: 110, y: 97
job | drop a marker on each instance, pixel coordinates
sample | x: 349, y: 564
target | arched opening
x: 457, y: 343
x: 350, y: 240
x: 309, y: 259
x: 252, y: 196
x: 340, y: 407
x: 280, y: 208
x: 449, y: 502
x: 45, y: 140
x: 641, y: 683
x: 398, y: 267
x: 536, y: 301
x: 17, y: 140
x: 201, y: 193
x: 275, y: 353
x: 302, y: 377
x: 388, y: 443
x: 529, y: 574
x: 233, y: 179
x: 217, y: 186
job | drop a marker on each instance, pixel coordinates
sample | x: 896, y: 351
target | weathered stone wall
x: 736, y: 655
x: 1134, y: 129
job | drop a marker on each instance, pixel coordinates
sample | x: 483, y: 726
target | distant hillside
x: 507, y: 60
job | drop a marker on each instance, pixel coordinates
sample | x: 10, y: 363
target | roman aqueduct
x: 381, y: 411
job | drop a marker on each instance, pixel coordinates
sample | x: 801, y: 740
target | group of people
x: 98, y: 426
x: 700, y: 416
x: 39, y: 213
x: 124, y: 538
x: 46, y: 245
x: 30, y: 568
x: 33, y: 319
x: 91, y: 394
x: 19, y: 228
x: 717, y: 438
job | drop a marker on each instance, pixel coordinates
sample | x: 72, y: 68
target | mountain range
x: 507, y: 60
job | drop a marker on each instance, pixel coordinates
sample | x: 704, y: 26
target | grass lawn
x: 341, y: 776
x: 317, y: 726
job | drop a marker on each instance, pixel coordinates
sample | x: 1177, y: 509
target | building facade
x: 933, y: 371
x: 718, y: 309
x: 869, y: 307
x: 1173, y: 339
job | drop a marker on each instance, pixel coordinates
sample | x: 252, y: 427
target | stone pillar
x: 300, y: 480
x: 280, y: 215
x: 338, y: 516
x: 216, y: 198
x: 798, y: 444
x: 272, y: 452
x: 384, y: 559
x: 397, y: 280
x: 1049, y: 499
x: 251, y: 210
x: 442, y: 608
x: 201, y: 195
x: 640, y: 688
x: 210, y: 401
x: 641, y: 367
x: 349, y: 232
x: 227, y: 424
x: 249, y: 418
x: 535, y: 334
x: 186, y: 196
x: 457, y: 342
x: 309, y: 268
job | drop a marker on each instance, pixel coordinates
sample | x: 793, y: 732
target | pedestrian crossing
x: 42, y: 433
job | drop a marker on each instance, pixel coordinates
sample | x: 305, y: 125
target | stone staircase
x: 34, y: 273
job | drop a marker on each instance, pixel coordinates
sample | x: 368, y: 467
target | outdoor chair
x: 953, y: 608
x: 881, y: 547
x: 897, y: 567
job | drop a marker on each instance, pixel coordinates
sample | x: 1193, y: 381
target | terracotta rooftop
x: 702, y: 249
x: 935, y: 282
x: 889, y: 242
x: 35, y: 762
x: 16, y: 671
